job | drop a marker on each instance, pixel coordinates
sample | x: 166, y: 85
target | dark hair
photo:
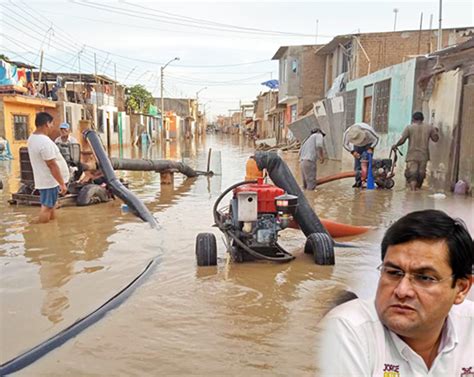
x: 418, y: 116
x: 316, y: 130
x: 42, y: 118
x: 435, y: 225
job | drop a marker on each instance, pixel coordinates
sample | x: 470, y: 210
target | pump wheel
x: 206, y: 249
x: 322, y: 248
x: 389, y: 183
x: 91, y: 194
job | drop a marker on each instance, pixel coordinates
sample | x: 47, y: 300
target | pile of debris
x: 269, y: 145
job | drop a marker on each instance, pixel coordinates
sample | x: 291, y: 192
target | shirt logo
x: 391, y: 370
x: 467, y: 372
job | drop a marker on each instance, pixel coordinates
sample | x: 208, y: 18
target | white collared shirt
x: 354, y: 342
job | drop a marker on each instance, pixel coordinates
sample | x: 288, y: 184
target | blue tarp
x: 8, y: 74
x: 272, y: 84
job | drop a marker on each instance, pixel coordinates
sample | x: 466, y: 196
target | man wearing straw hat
x: 359, y: 140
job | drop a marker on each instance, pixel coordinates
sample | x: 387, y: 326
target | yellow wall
x: 18, y: 109
x: 12, y: 107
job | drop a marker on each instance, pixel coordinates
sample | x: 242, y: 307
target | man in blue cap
x: 65, y: 137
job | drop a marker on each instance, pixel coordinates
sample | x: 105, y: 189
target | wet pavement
x: 255, y: 319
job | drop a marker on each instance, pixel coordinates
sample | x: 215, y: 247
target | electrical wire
x: 183, y: 22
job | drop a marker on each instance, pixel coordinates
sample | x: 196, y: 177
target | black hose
x: 35, y: 353
x: 136, y: 205
x: 282, y: 177
x: 154, y: 165
x: 221, y: 196
x: 286, y: 258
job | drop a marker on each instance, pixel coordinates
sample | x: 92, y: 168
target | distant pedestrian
x: 50, y: 170
x: 65, y: 136
x: 360, y: 139
x: 419, y: 135
x: 311, y: 150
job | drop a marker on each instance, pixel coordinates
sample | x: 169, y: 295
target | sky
x: 224, y: 48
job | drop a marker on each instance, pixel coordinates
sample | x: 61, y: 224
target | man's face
x: 49, y: 127
x: 411, y: 310
x: 64, y: 132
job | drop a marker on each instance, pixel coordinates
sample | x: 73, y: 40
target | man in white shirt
x: 50, y: 170
x: 310, y: 151
x: 420, y: 323
x: 65, y: 135
x: 359, y: 139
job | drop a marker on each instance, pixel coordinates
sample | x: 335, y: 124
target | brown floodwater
x: 254, y: 319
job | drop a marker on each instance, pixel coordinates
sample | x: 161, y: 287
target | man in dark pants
x: 310, y: 151
x: 419, y: 135
x: 360, y: 139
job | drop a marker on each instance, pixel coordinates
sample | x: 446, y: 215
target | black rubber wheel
x: 389, y: 183
x: 206, y: 249
x: 322, y: 247
x: 91, y: 194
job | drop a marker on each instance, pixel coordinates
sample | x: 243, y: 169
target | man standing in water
x: 50, y: 170
x: 310, y: 151
x: 420, y: 323
x: 419, y: 135
x: 360, y: 140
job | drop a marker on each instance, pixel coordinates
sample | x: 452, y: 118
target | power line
x: 183, y: 22
x: 199, y: 21
x: 69, y: 40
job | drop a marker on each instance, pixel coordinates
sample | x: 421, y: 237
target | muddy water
x: 254, y: 319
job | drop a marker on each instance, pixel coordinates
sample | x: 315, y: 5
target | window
x: 115, y: 122
x: 68, y: 113
x: 350, y: 98
x: 367, y: 115
x: 293, y: 113
x: 284, y: 71
x: 20, y: 127
x: 294, y: 66
x: 381, y: 105
x: 100, y: 121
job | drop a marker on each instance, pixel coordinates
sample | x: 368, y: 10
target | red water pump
x: 251, y: 222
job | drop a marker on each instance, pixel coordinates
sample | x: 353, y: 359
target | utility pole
x: 40, y: 72
x: 162, y: 70
x: 316, y: 39
x: 162, y: 103
x: 430, y: 47
x: 440, y: 30
x: 395, y: 11
x: 115, y: 78
x: 419, y: 34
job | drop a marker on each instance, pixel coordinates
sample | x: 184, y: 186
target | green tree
x: 139, y: 99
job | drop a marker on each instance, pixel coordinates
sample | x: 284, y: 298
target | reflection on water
x: 256, y: 319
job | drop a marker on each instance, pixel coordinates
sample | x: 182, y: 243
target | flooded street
x: 254, y: 319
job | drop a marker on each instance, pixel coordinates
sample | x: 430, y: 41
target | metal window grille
x: 20, y: 126
x: 350, y: 105
x: 381, y: 106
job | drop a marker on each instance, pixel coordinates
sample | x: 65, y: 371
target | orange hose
x: 336, y: 229
x: 334, y: 177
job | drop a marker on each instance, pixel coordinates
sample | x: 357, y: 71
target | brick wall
x: 386, y: 49
x: 312, y: 83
